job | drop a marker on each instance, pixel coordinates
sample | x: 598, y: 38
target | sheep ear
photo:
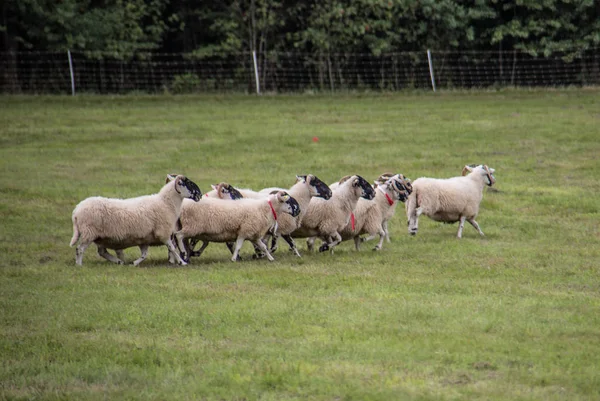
x: 282, y: 196
x: 170, y: 177
x: 213, y: 186
x: 492, y: 170
x: 467, y: 169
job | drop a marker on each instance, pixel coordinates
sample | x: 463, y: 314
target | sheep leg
x: 325, y: 245
x: 461, y: 226
x: 381, y: 238
x: 120, y: 255
x: 292, y: 244
x: 258, y: 252
x: 337, y: 238
x: 238, y: 245
x: 332, y: 241
x: 263, y: 247
x: 310, y: 243
x: 357, y: 241
x: 474, y: 224
x: 106, y: 255
x: 79, y: 252
x: 144, y: 250
x: 274, y: 240
x: 368, y: 238
x: 203, y: 247
x: 413, y: 221
x: 173, y: 250
x: 193, y: 243
x: 387, y: 233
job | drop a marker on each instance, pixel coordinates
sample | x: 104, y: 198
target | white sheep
x: 449, y: 200
x: 122, y: 223
x: 215, y: 220
x: 326, y: 218
x: 303, y: 190
x: 371, y: 216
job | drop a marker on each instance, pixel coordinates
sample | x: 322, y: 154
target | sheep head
x: 401, y: 186
x: 187, y: 188
x: 367, y: 191
x: 292, y: 206
x: 483, y: 170
x: 227, y: 191
x: 316, y: 186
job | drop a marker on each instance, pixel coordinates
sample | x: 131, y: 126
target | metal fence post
x: 431, y: 69
x: 71, y: 70
x: 256, y: 72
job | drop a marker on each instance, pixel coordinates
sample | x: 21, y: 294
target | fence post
x: 431, y: 69
x: 256, y: 72
x: 71, y: 70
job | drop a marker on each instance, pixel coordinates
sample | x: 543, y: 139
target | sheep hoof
x: 323, y: 248
x: 377, y: 248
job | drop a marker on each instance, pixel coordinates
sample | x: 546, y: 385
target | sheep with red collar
x: 305, y: 188
x: 123, y: 223
x: 326, y: 218
x: 449, y: 200
x: 216, y: 220
x: 371, y: 216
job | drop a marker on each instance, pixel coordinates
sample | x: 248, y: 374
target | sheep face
x: 401, y: 186
x: 187, y: 188
x: 227, y: 191
x: 483, y: 170
x: 366, y: 190
x: 317, y: 187
x: 290, y: 206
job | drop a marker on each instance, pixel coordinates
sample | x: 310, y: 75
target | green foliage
x: 116, y: 27
x: 511, y: 316
x: 191, y: 83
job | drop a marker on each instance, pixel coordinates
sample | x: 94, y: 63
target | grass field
x: 512, y: 316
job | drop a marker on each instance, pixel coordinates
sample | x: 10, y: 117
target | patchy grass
x: 514, y: 315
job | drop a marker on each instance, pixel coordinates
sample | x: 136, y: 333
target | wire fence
x: 78, y: 72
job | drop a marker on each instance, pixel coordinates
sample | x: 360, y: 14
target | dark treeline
x: 205, y: 27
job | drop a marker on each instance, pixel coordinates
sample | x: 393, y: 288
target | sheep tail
x: 76, y: 234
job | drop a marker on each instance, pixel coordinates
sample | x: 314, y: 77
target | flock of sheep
x: 179, y: 217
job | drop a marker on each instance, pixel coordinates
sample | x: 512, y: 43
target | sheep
x: 303, y: 190
x: 215, y: 220
x: 449, y: 200
x: 326, y: 219
x: 122, y: 223
x: 224, y: 191
x: 403, y: 184
x: 371, y: 216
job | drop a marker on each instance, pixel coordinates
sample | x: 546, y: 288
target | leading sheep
x: 449, y: 200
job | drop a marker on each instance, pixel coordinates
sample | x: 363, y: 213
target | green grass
x: 512, y: 316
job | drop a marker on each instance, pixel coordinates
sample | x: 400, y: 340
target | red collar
x: 390, y: 201
x: 352, y: 221
x: 272, y: 210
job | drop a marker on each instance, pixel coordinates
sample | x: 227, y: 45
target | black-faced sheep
x: 326, y: 218
x: 216, y: 220
x: 123, y: 223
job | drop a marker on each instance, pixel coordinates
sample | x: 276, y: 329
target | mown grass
x: 512, y: 316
